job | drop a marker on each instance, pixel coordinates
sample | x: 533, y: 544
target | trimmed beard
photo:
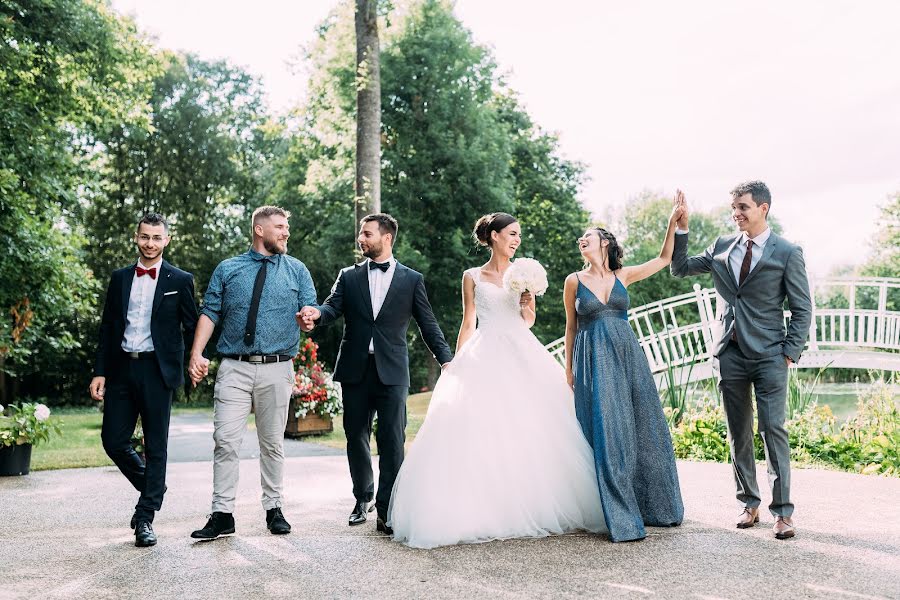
x: 374, y: 251
x: 273, y: 247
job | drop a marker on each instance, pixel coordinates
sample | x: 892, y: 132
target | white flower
x: 41, y: 412
x: 526, y: 274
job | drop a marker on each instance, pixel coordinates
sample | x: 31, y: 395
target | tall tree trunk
x: 368, y: 110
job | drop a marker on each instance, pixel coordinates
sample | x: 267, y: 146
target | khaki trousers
x: 268, y: 388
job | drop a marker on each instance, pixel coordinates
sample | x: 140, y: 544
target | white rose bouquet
x: 526, y: 275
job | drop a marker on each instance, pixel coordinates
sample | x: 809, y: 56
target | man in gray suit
x: 754, y: 271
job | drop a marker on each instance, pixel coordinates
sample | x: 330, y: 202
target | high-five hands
x: 307, y: 317
x: 680, y: 210
x: 198, y: 369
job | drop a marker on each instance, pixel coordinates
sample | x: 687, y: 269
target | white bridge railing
x: 856, y: 324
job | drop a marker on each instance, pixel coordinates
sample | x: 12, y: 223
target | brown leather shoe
x: 748, y: 518
x: 784, y: 528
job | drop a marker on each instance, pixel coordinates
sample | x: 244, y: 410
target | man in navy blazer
x: 148, y: 320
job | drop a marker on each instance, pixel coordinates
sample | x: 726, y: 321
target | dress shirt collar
x: 273, y: 258
x: 155, y: 265
x: 390, y: 261
x: 759, y: 240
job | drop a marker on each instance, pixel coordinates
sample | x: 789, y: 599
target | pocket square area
x: 170, y: 293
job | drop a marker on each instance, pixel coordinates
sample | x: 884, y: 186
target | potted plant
x: 316, y: 398
x: 21, y: 427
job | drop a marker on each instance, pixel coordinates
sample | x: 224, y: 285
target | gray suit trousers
x: 768, y: 379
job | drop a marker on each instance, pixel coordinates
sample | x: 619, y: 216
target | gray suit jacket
x: 756, y: 306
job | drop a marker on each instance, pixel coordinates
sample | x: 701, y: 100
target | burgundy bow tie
x: 141, y: 272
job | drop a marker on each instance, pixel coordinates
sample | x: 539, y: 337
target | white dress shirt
x: 740, y: 249
x: 379, y: 283
x: 140, y: 308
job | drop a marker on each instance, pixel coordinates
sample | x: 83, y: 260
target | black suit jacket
x: 172, y: 322
x: 406, y: 299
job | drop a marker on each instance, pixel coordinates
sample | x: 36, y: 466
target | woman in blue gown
x: 616, y: 400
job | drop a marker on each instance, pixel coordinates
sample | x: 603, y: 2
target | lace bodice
x: 495, y: 306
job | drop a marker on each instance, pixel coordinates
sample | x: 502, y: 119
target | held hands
x: 306, y: 318
x: 198, y: 369
x: 679, y: 211
x: 98, y: 388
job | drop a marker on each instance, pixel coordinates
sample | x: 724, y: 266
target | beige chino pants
x: 268, y: 388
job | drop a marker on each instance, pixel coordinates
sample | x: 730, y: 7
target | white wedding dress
x: 500, y: 454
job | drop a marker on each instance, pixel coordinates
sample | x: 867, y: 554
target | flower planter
x: 311, y: 424
x: 15, y: 460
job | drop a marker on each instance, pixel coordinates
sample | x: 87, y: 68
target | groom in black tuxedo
x: 148, y: 320
x: 377, y: 298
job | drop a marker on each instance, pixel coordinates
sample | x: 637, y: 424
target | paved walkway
x: 64, y: 534
x: 190, y: 440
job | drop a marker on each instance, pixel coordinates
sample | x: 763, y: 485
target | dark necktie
x: 745, y: 270
x: 141, y: 272
x: 745, y: 266
x: 250, y: 330
x: 383, y: 266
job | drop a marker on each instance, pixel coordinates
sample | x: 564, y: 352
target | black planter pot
x: 15, y: 460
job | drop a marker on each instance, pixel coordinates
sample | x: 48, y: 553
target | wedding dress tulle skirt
x: 500, y: 454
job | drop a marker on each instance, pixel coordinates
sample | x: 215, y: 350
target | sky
x: 657, y: 95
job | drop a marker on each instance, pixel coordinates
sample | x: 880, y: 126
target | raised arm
x: 629, y: 275
x: 467, y: 326
x: 800, y: 304
x: 569, y: 292
x: 682, y: 264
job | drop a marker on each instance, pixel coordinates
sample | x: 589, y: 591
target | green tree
x: 197, y: 164
x: 69, y: 69
x: 547, y: 206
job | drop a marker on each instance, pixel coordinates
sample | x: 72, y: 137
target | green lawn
x: 80, y: 445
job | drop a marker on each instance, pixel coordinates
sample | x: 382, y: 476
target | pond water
x: 840, y: 397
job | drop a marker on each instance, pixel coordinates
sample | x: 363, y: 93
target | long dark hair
x: 613, y: 250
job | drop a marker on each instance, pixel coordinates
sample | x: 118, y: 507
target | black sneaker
x: 276, y: 523
x: 219, y: 524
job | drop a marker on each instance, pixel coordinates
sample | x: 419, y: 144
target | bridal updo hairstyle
x: 497, y: 221
x: 613, y: 251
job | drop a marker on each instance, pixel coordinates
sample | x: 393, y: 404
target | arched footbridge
x: 856, y: 324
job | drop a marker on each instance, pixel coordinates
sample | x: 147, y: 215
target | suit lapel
x: 162, y: 285
x: 397, y: 282
x: 767, y: 253
x: 362, y: 281
x: 128, y: 280
x: 724, y: 260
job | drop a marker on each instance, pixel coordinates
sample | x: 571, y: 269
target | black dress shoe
x: 219, y: 524
x: 381, y: 526
x: 358, y: 516
x: 143, y: 535
x: 276, y: 522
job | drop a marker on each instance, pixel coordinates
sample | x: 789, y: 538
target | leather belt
x: 260, y: 358
x: 139, y: 355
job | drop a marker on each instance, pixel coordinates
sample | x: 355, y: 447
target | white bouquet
x: 526, y: 275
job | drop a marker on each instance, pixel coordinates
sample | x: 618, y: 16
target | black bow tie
x: 383, y: 266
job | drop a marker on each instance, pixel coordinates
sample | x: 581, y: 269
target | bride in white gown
x: 500, y: 454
